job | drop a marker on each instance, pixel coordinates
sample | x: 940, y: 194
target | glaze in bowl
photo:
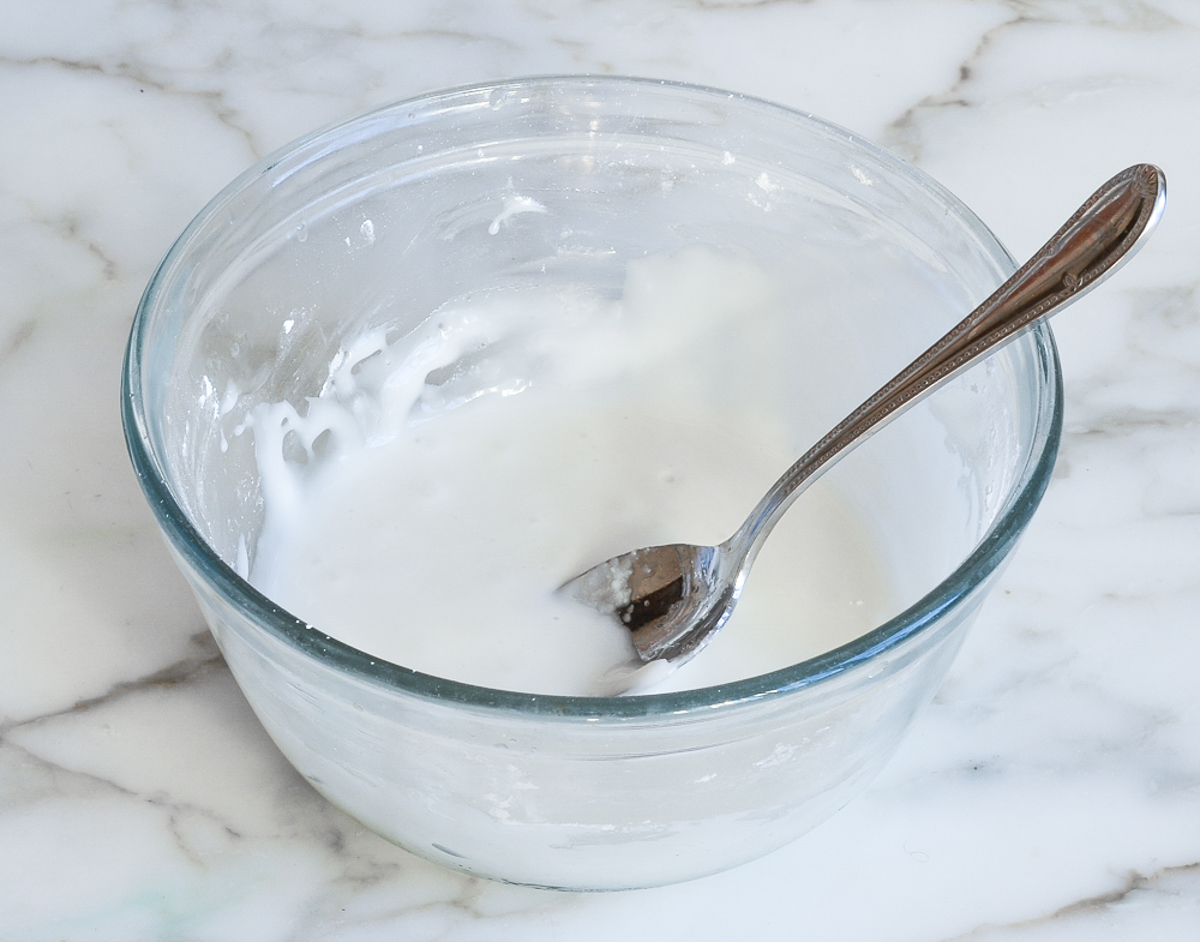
x: 386, y: 216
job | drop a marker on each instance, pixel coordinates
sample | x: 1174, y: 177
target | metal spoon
x: 674, y: 598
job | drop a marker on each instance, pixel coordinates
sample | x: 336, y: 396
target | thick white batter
x: 428, y: 504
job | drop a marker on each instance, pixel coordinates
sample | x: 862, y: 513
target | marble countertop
x: 1052, y: 790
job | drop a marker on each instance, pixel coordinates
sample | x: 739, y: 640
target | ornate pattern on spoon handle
x: 1093, y: 243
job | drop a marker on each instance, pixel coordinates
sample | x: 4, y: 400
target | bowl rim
x: 916, y: 619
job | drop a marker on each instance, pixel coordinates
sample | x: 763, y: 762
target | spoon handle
x: 1104, y: 232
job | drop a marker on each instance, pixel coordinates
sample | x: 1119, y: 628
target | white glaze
x: 474, y: 466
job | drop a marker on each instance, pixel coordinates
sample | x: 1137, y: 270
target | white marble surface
x: 1052, y: 792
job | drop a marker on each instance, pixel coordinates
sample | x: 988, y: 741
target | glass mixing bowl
x: 380, y: 220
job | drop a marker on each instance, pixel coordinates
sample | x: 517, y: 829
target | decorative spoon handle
x: 1088, y: 248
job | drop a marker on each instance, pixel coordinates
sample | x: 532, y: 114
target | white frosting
x: 443, y: 485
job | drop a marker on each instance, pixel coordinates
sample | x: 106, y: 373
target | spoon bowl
x: 674, y: 598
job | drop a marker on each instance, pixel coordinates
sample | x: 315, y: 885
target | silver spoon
x: 674, y: 598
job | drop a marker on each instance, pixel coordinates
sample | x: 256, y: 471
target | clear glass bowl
x: 389, y: 214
